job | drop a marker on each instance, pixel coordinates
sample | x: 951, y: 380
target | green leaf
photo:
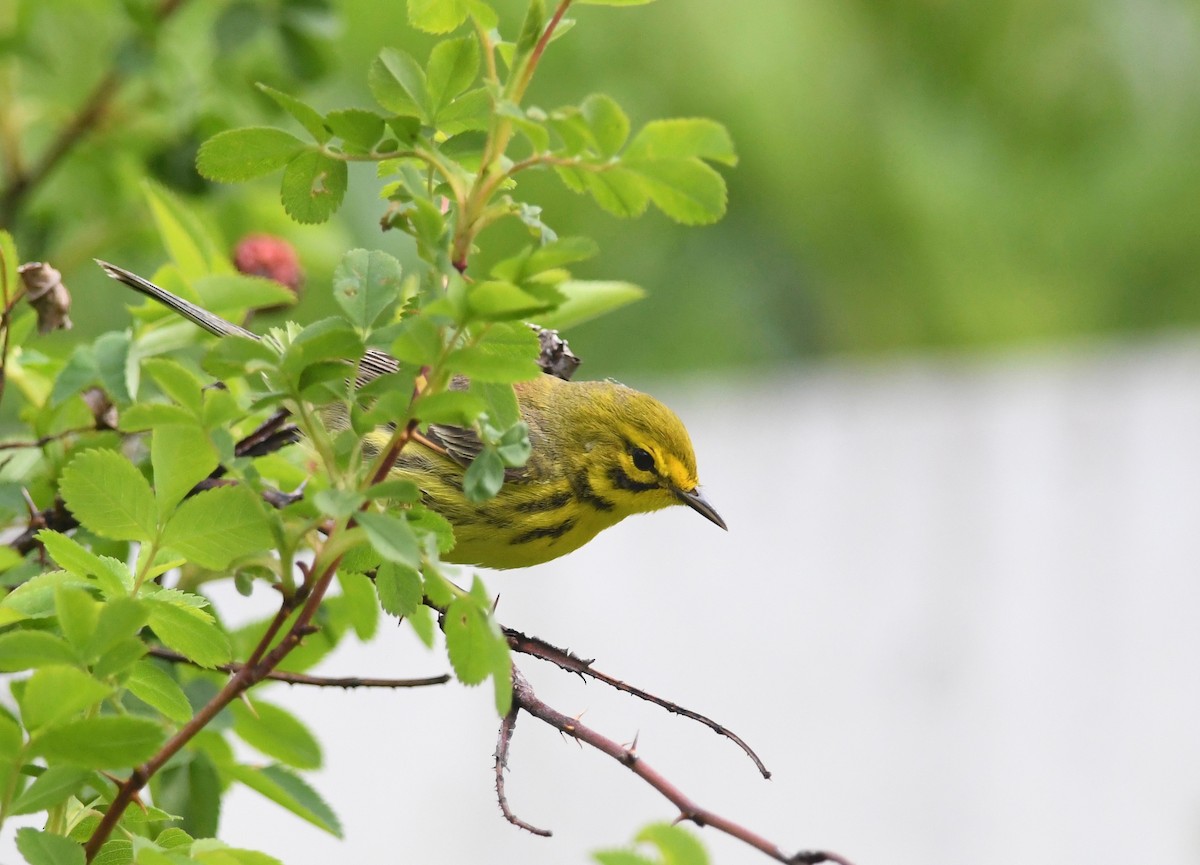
x: 176, y: 381
x: 359, y: 598
x: 453, y: 65
x: 365, y: 284
x: 469, y: 112
x: 506, y: 353
x: 188, y: 242
x: 119, y: 619
x: 49, y: 789
x: 109, y: 496
x: 27, y: 650
x: 470, y: 641
x: 150, y: 684
x: 588, y: 299
x: 56, y: 693
x: 399, y: 587
x: 453, y: 407
x: 202, y: 813
x: 277, y: 733
x: 419, y: 341
x: 676, y: 845
x: 80, y: 372
x: 304, y: 114
x: 327, y: 339
x: 115, y: 851
x: 608, y: 123
x: 313, y: 187
x: 683, y: 138
x: 76, y: 612
x: 398, y: 83
x: 514, y: 447
x: 116, y: 366
x: 531, y: 31
x: 70, y: 554
x: 495, y: 300
x: 239, y: 355
x: 242, y: 154
x: 106, y: 742
x: 621, y: 857
x: 182, y: 456
x: 215, y: 527
x: 437, y: 16
x: 391, y: 537
x: 686, y: 190
x: 190, y: 632
x: 357, y: 127
x: 145, y: 415
x: 484, y: 476
x: 34, y: 599
x: 236, y: 292
x: 617, y: 190
x: 287, y: 789
x: 46, y: 848
x: 502, y: 408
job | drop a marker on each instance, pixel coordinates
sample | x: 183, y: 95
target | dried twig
x: 567, y: 660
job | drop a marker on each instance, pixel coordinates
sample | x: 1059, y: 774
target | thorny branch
x: 525, y: 698
x: 503, y: 740
x: 305, y: 679
x: 565, y: 659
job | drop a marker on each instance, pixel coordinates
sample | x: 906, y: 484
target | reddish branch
x: 507, y: 726
x: 525, y: 698
x: 539, y: 648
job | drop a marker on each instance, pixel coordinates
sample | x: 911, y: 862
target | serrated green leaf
x: 391, y: 537
x: 34, y: 599
x: 454, y: 407
x: 215, y: 527
x: 288, y: 790
x: 313, y: 187
x: 506, y: 353
x: 469, y: 641
x: 676, y: 845
x: 356, y: 126
x: 28, y: 650
x: 531, y: 31
x: 398, y: 83
x: 304, y: 114
x: 277, y: 733
x: 469, y: 112
x: 683, y: 138
x: 687, y: 190
x: 237, y: 155
x: 365, y: 284
x: 358, y: 596
x: 115, y: 366
x: 419, y: 340
x: 496, y: 300
x: 109, y: 496
x: 49, y: 789
x: 77, y: 614
x: 176, y: 381
x: 182, y: 456
x: 399, y: 587
x: 617, y: 190
x: 154, y: 687
x: 55, y: 693
x: 453, y: 65
x: 105, y: 742
x: 608, y: 123
x: 190, y: 632
x: 46, y: 848
x: 437, y: 16
x: 115, y: 851
x: 144, y: 415
x: 484, y: 476
x: 70, y: 554
x: 588, y: 299
x: 119, y: 619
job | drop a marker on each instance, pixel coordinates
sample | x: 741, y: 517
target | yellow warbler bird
x: 600, y: 452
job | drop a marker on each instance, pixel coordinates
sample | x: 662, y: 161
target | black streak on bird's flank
x: 582, y: 487
x: 622, y: 481
x: 550, y: 503
x: 549, y: 532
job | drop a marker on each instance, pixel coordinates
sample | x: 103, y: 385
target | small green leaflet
x: 105, y: 742
x: 290, y: 791
x: 365, y: 284
x: 46, y: 848
x: 108, y: 495
x: 277, y: 733
x: 243, y: 154
x: 153, y: 686
x: 214, y: 527
x: 55, y: 693
x: 50, y: 788
x: 313, y: 187
x: 189, y: 631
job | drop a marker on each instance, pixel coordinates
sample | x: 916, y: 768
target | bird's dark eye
x: 642, y: 460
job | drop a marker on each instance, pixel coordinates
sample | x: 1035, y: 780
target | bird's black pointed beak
x: 700, y: 505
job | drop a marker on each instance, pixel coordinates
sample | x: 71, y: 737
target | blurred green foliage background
x: 913, y: 174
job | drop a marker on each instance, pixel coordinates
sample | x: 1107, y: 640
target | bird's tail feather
x: 198, y: 315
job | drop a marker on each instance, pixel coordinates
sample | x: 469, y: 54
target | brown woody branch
x: 305, y: 679
x: 503, y: 740
x: 567, y: 660
x: 525, y: 698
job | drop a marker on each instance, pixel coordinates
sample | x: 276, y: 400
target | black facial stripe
x: 550, y: 503
x: 582, y: 488
x: 623, y: 481
x: 551, y: 532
